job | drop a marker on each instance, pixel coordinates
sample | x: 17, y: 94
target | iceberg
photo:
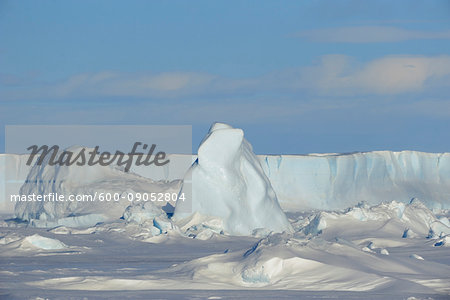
x: 89, y: 182
x: 228, y: 182
x: 338, y: 181
x: 300, y: 182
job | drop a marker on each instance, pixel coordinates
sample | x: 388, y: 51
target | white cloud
x: 370, y: 34
x: 338, y: 74
x: 402, y: 74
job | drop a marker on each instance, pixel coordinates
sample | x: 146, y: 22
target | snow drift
x: 360, y: 249
x: 228, y: 182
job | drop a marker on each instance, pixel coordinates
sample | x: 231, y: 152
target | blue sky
x: 297, y: 76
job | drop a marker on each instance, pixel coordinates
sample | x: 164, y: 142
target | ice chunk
x: 43, y: 242
x: 416, y: 256
x: 228, y: 182
x: 142, y: 212
x: 408, y: 233
x: 438, y: 229
x: 445, y: 241
x: 394, y: 218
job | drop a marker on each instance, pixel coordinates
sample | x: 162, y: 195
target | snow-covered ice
x: 358, y: 256
x: 75, y: 180
x: 364, y: 225
x: 337, y: 181
x: 326, y: 181
x: 228, y: 182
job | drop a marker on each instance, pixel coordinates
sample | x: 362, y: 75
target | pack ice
x: 384, y: 249
x: 228, y: 182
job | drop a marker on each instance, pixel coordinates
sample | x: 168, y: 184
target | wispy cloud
x: 131, y: 84
x: 370, y: 34
x: 338, y: 74
x: 331, y: 75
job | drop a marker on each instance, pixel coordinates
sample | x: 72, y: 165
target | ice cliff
x: 337, y: 181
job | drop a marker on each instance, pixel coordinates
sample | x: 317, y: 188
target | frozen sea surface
x: 350, y: 230
x: 344, y: 260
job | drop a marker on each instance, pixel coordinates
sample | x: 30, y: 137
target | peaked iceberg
x: 228, y: 182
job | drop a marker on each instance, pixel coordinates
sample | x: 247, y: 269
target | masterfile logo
x: 92, y: 157
x: 157, y: 152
